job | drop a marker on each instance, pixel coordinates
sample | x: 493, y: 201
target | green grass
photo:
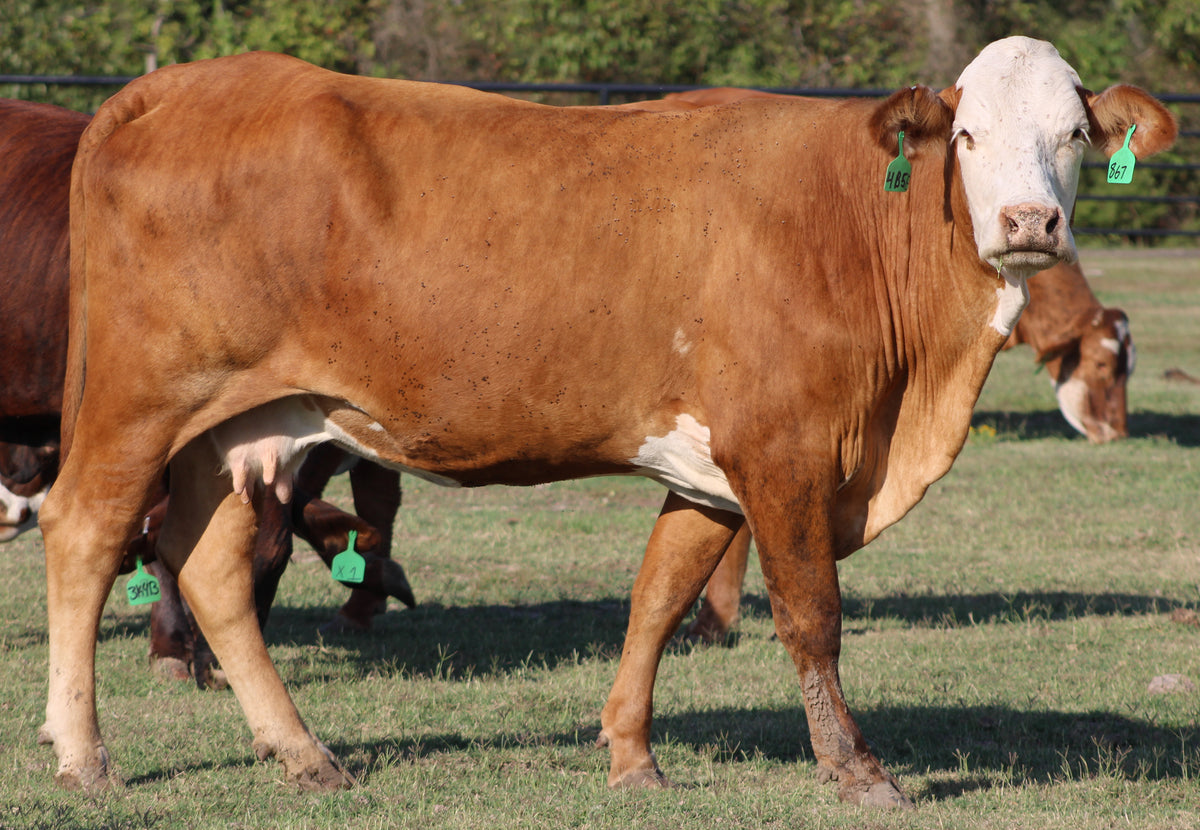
x: 998, y: 648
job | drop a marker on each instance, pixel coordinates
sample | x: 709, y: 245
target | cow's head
x: 25, y: 476
x: 1090, y: 369
x: 1018, y: 121
x: 1022, y: 120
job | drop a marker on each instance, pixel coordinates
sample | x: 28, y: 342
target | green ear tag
x: 1120, y: 166
x: 898, y: 172
x: 142, y: 587
x: 349, y: 566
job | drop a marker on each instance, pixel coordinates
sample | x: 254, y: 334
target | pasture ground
x: 1000, y: 645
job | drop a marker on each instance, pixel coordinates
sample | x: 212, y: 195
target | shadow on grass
x: 954, y: 749
x: 963, y: 610
x: 958, y: 749
x: 1184, y: 430
x: 473, y: 640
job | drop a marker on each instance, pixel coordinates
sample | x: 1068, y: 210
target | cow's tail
x: 125, y: 106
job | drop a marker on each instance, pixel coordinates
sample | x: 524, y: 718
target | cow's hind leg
x: 208, y: 539
x: 686, y: 544
x: 377, y: 497
x: 87, y: 519
x: 723, y: 595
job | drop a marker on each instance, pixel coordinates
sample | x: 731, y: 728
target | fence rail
x: 604, y: 93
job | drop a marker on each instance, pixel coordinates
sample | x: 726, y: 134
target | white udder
x: 268, y: 444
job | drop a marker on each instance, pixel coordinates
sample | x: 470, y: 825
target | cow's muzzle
x: 1035, y: 235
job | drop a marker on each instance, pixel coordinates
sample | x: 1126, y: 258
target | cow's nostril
x: 1052, y: 225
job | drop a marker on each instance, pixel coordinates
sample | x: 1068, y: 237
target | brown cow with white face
x: 481, y: 290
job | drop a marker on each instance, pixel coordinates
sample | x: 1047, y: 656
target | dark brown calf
x: 37, y: 143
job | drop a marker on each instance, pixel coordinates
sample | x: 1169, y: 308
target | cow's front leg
x: 801, y: 574
x: 686, y: 544
x: 208, y: 539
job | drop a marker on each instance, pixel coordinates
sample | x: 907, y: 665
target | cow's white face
x: 1020, y: 129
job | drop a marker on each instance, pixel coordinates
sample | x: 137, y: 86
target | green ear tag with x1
x: 898, y: 172
x: 349, y: 566
x: 1120, y: 166
x: 142, y: 588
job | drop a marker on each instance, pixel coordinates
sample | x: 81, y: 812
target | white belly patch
x: 682, y: 461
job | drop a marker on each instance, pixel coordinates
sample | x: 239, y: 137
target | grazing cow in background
x: 724, y: 300
x: 1087, y: 350
x: 37, y: 143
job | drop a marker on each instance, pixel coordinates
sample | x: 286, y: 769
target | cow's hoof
x: 324, y: 777
x: 341, y: 624
x: 395, y: 583
x: 708, y: 628
x: 172, y: 668
x: 881, y: 794
x: 311, y: 767
x: 212, y: 680
x: 641, y: 779
x: 92, y: 778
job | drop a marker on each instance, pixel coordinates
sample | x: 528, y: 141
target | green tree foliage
x: 762, y: 43
x: 128, y: 37
x: 743, y: 43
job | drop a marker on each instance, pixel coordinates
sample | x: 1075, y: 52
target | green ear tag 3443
x: 142, y: 588
x: 1120, y: 166
x: 898, y: 172
x: 349, y: 566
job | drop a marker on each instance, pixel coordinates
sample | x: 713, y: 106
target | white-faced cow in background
x: 267, y: 255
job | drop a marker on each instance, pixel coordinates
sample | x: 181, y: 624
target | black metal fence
x: 1165, y: 206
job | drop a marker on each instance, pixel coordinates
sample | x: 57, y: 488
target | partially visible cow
x: 724, y: 300
x: 1087, y: 350
x: 37, y: 143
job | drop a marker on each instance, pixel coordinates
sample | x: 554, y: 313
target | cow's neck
x: 952, y: 312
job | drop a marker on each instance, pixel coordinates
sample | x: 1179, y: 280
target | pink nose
x: 1032, y: 227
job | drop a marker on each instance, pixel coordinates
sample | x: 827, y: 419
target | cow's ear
x: 1112, y: 112
x: 919, y: 112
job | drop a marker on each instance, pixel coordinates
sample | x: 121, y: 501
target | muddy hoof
x: 341, y: 624
x: 881, y: 794
x: 91, y: 779
x: 642, y: 779
x: 325, y: 777
x: 171, y: 668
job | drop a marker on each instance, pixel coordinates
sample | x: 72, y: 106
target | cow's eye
x: 967, y: 139
x: 1080, y: 134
